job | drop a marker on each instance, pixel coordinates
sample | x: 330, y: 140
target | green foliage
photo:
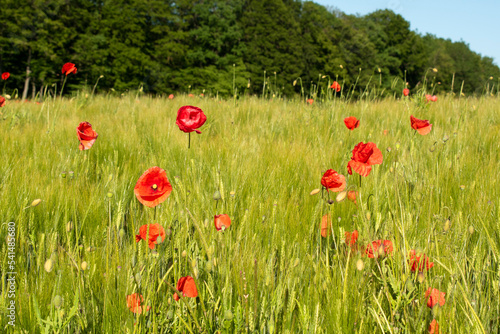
x: 224, y: 47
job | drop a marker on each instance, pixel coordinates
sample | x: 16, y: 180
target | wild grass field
x: 271, y: 271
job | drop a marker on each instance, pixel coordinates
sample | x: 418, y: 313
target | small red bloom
x: 406, y: 92
x: 2, y: 101
x: 171, y: 96
x: 351, y: 122
x: 190, y: 95
x: 386, y: 132
x: 336, y: 86
x: 190, y: 118
x: 434, y: 98
x: 153, y: 187
x: 222, y: 220
x: 326, y: 223
x: 419, y: 262
x: 363, y: 157
x: 421, y: 125
x: 155, y: 231
x: 434, y: 327
x: 352, y: 195
x: 134, y: 303
x: 351, y: 238
x: 435, y: 297
x: 310, y: 101
x: 86, y: 135
x: 69, y: 68
x: 187, y: 286
x: 372, y: 248
x: 5, y: 75
x: 333, y: 181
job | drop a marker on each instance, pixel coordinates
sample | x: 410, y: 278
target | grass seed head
x: 57, y: 302
x: 471, y: 229
x: 69, y: 226
x: 84, y: 265
x: 48, y: 265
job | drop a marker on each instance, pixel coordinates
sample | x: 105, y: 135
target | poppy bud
x: 48, y: 265
x: 341, y: 66
x: 228, y: 315
x: 159, y: 239
x: 36, y: 202
x: 57, y: 302
x: 232, y: 193
x: 217, y: 195
x: 391, y: 170
x: 84, y: 265
x: 121, y: 233
x: 330, y: 201
x: 368, y: 215
x: 110, y: 195
x: 471, y: 229
x: 435, y: 70
x: 138, y: 278
x: 184, y: 253
x: 71, y: 174
x: 432, y: 148
x: 208, y: 266
x: 63, y: 175
x: 193, y: 263
x: 69, y: 226
x: 360, y: 265
x: 294, y: 82
x: 446, y: 225
x: 445, y: 138
x: 314, y: 192
x: 196, y: 273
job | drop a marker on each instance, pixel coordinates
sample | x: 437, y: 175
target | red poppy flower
x: 421, y: 125
x: 134, y: 303
x: 86, y: 135
x: 351, y: 122
x: 310, y: 101
x: 351, y: 238
x: 352, y: 195
x: 187, y: 286
x: 190, y: 118
x: 190, y: 95
x: 419, y: 262
x: 336, y: 86
x: 222, y: 220
x: 372, y: 248
x: 155, y: 231
x: 434, y: 98
x: 435, y: 297
x: 326, y: 223
x: 333, y: 181
x: 171, y: 96
x: 68, y: 68
x: 406, y: 92
x: 434, y: 327
x: 2, y: 101
x: 5, y: 75
x: 153, y: 187
x: 386, y: 132
x: 363, y: 157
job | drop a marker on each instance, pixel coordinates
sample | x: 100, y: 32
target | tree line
x: 219, y: 47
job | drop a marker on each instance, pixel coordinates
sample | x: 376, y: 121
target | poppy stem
x: 155, y: 213
x: 360, y: 180
x: 62, y: 88
x: 189, y: 140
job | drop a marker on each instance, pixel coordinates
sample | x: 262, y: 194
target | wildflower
x: 335, y: 85
x: 406, y: 92
x: 5, y: 75
x: 68, y: 68
x: 373, y: 248
x: 222, y: 221
x: 187, y: 286
x: 153, y: 187
x: 326, y: 223
x: 422, y: 126
x: 156, y: 234
x: 190, y: 118
x: 351, y: 122
x: 363, y: 157
x: 351, y: 238
x: 419, y: 262
x: 435, y: 297
x: 86, y: 135
x: 333, y: 181
x: 134, y: 303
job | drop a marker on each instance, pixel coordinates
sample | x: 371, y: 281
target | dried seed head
x: 36, y: 202
x: 69, y: 226
x: 447, y: 224
x: 184, y: 253
x: 331, y: 201
x: 471, y: 229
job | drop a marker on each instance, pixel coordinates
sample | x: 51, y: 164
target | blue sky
x: 474, y: 22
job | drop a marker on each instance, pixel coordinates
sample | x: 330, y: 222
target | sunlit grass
x: 270, y: 271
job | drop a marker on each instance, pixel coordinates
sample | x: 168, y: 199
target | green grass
x: 271, y: 269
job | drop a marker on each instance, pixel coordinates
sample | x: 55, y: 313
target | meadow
x: 258, y: 161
